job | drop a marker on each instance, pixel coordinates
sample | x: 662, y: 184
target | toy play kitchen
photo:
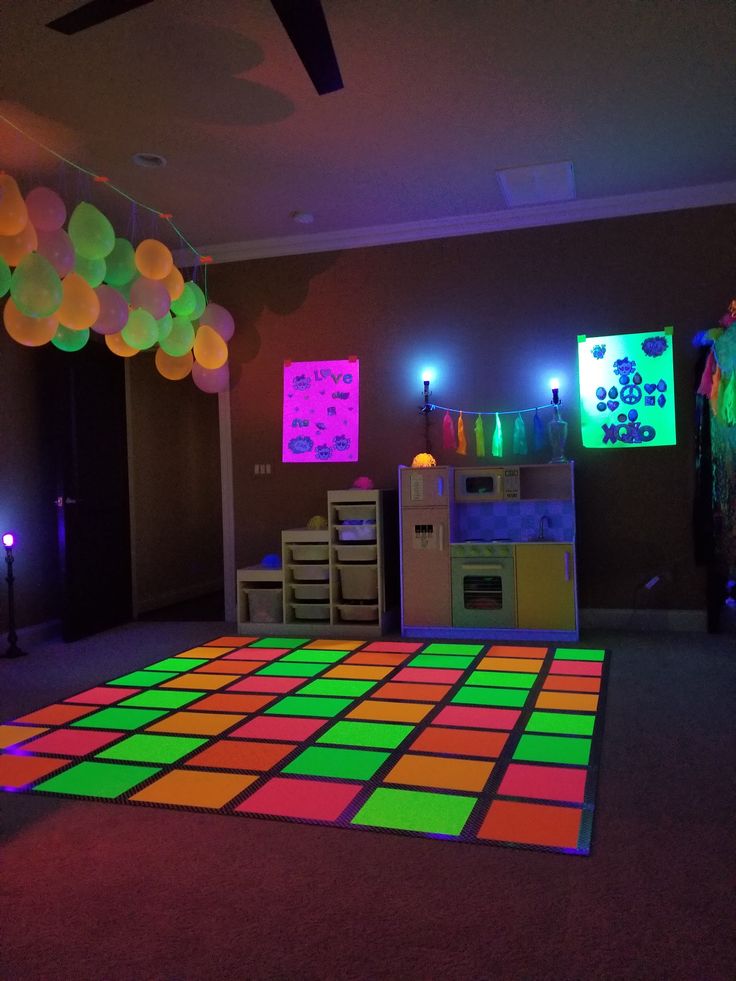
x: 488, y: 552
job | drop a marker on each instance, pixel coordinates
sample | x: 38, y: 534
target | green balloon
x: 93, y: 270
x: 185, y: 304
x: 180, y: 338
x: 200, y: 301
x: 164, y: 325
x: 4, y: 277
x: 91, y: 233
x: 36, y: 287
x: 121, y: 267
x: 141, y: 330
x: 69, y: 340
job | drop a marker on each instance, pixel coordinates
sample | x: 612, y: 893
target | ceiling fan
x: 303, y: 20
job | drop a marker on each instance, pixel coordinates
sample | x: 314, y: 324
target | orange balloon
x: 29, y: 331
x: 80, y: 305
x: 118, y: 346
x: 174, y: 368
x: 14, y: 248
x: 13, y: 209
x: 153, y: 259
x: 209, y: 348
x: 174, y: 283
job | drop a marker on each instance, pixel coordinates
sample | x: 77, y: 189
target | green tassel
x: 480, y: 439
x: 497, y: 448
x: 519, y: 442
x: 727, y: 402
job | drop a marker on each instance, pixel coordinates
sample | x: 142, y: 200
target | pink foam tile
x: 590, y: 668
x: 72, y: 742
x: 18, y: 772
x: 103, y: 695
x: 279, y: 727
x: 311, y: 800
x: 440, y: 676
x: 256, y: 654
x: 263, y: 683
x: 477, y: 718
x: 544, y: 782
x: 390, y: 647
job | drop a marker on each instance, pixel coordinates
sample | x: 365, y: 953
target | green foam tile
x: 326, y: 657
x: 119, y: 718
x: 566, y: 722
x: 302, y: 705
x: 504, y: 697
x: 553, y: 749
x: 90, y: 779
x: 353, y: 764
x: 288, y: 643
x: 438, y: 661
x: 575, y: 654
x: 177, y: 664
x: 165, y: 698
x: 143, y: 679
x: 501, y: 679
x: 470, y: 650
x: 416, y: 810
x: 278, y: 669
x: 381, y: 735
x: 347, y: 687
x: 143, y: 748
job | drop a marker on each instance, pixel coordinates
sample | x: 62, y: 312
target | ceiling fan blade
x: 92, y: 13
x: 304, y: 22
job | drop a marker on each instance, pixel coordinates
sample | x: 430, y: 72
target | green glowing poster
x: 627, y: 389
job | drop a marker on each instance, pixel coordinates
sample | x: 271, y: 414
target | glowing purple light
x: 8, y: 539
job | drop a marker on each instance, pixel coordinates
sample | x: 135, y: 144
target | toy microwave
x: 486, y: 484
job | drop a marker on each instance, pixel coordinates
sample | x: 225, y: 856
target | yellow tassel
x: 462, y: 443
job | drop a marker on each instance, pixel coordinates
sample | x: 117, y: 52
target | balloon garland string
x: 473, y: 412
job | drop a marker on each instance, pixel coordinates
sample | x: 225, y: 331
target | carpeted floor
x: 95, y: 891
x: 473, y: 742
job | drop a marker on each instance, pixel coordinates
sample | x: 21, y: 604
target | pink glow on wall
x: 321, y: 411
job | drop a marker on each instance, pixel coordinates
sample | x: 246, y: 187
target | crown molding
x: 531, y: 216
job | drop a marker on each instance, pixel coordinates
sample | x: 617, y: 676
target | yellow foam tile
x: 378, y: 711
x: 195, y: 788
x: 333, y: 645
x: 205, y: 652
x: 567, y: 700
x: 365, y: 672
x: 201, y: 682
x: 510, y: 664
x: 10, y: 735
x: 196, y: 723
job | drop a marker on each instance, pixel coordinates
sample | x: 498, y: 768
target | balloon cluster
x: 65, y: 283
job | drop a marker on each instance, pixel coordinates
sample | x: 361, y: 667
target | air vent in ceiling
x: 540, y: 184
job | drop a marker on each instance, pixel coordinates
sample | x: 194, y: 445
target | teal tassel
x: 540, y: 437
x: 519, y: 441
x: 497, y: 446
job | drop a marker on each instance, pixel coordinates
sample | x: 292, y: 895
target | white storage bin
x: 356, y: 553
x: 356, y: 612
x: 309, y: 553
x: 357, y: 533
x: 311, y: 591
x: 356, y: 512
x: 358, y: 582
x: 311, y: 611
x: 310, y: 573
x: 265, y: 605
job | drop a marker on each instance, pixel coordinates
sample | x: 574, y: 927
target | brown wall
x: 498, y: 314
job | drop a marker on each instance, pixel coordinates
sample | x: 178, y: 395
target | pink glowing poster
x: 321, y: 411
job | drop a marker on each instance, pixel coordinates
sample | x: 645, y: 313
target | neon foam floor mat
x: 492, y: 744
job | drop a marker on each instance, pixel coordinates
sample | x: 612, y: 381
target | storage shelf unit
x: 264, y: 586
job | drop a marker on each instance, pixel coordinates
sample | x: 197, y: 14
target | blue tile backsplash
x: 517, y: 520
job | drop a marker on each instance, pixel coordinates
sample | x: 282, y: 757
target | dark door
x: 89, y: 424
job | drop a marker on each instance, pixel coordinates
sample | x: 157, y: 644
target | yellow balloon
x: 29, y: 331
x: 174, y: 283
x: 14, y: 248
x: 80, y: 305
x: 174, y: 368
x: 118, y: 346
x: 13, y: 210
x: 153, y: 259
x: 209, y: 348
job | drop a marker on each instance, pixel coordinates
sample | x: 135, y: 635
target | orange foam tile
x: 441, y: 772
x: 411, y: 692
x: 230, y: 641
x: 460, y: 742
x: 200, y: 682
x: 532, y: 824
x: 504, y: 650
x: 364, y: 657
x: 366, y: 672
x: 527, y: 664
x: 196, y: 723
x: 235, y: 702
x: 566, y: 682
x: 332, y: 645
x: 567, y: 700
x: 10, y: 735
x: 193, y: 788
x: 240, y: 754
x: 228, y: 667
x: 379, y: 711
x: 208, y: 651
x: 57, y: 715
x: 17, y: 772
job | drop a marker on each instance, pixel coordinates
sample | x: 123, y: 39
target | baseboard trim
x: 36, y: 633
x: 644, y: 619
x: 181, y: 595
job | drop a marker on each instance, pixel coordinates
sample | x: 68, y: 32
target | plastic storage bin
x: 311, y: 591
x: 356, y: 512
x: 311, y: 611
x: 356, y: 553
x: 265, y: 605
x: 357, y: 612
x: 310, y: 573
x: 358, y: 582
x: 309, y: 553
x: 357, y: 533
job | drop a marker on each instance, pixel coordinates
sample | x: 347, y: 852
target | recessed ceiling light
x: 302, y: 217
x: 150, y: 160
x: 539, y: 184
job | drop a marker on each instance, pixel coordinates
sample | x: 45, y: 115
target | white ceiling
x: 438, y: 96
